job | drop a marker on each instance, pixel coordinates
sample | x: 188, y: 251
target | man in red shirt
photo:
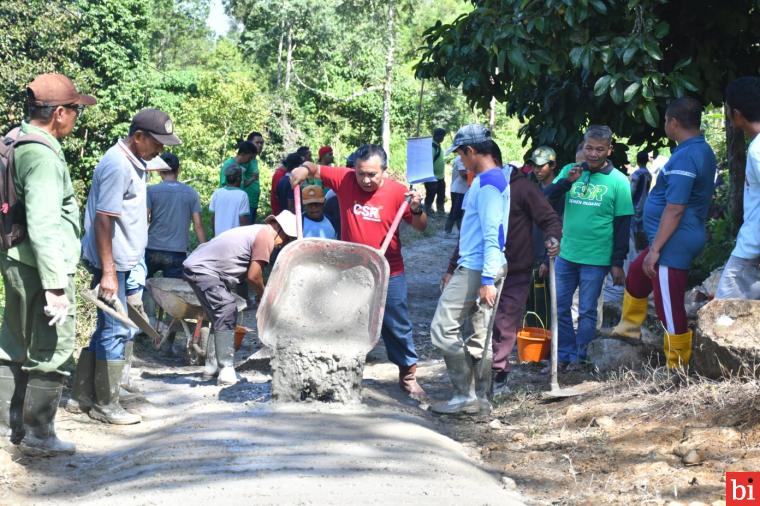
x: 368, y: 202
x: 274, y: 202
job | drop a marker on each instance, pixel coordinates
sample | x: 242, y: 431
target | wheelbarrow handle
x: 394, y: 225
x: 299, y: 217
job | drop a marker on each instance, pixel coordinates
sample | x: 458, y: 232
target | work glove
x: 57, y: 306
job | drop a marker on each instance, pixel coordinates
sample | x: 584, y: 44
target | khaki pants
x: 460, y: 303
x: 25, y: 336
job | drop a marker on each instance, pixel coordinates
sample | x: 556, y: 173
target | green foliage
x: 720, y: 239
x: 561, y: 65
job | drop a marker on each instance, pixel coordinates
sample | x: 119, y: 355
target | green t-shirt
x: 591, y: 205
x: 254, y: 189
x: 439, y: 164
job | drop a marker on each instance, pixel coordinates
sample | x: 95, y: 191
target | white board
x: 419, y: 160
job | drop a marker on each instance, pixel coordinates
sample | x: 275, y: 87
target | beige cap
x: 286, y: 220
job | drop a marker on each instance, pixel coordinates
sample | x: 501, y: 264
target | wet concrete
x: 321, y: 319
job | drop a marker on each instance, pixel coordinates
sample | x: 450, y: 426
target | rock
x: 495, y: 424
x: 518, y: 436
x: 692, y: 458
x: 611, y: 354
x: 712, y: 443
x: 604, y: 422
x: 651, y: 331
x: 508, y: 483
x: 718, y: 503
x: 726, y: 341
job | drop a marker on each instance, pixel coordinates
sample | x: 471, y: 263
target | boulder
x: 727, y: 338
x: 651, y: 331
x: 612, y: 353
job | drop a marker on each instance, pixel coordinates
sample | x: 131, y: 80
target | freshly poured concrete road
x: 200, y: 444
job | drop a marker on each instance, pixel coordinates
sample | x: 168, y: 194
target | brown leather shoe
x: 407, y: 381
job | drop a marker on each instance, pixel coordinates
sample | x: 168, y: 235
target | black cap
x: 156, y: 123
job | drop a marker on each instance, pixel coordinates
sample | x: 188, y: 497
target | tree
x: 560, y: 65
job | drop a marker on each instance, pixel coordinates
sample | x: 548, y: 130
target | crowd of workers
x: 598, y: 225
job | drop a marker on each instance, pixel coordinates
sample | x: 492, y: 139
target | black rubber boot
x: 12, y: 390
x: 463, y: 400
x: 211, y: 368
x: 225, y: 356
x: 132, y: 390
x: 43, y: 393
x: 106, y: 407
x: 481, y: 369
x: 83, y: 389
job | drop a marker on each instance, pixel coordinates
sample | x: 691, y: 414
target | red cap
x: 57, y: 89
x: 323, y: 151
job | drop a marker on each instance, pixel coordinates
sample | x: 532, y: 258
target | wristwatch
x: 419, y: 211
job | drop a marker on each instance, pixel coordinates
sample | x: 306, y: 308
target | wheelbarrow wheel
x: 196, y: 352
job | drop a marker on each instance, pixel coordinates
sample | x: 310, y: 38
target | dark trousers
x: 455, y: 213
x: 168, y: 262
x: 435, y: 190
x: 508, y: 318
x: 217, y: 301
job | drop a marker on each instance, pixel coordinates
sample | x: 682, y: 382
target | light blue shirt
x: 323, y: 229
x: 483, y: 234
x: 748, y: 240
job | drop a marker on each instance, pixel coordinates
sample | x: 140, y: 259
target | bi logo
x: 740, y: 489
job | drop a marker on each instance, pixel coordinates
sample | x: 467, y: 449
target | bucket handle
x: 543, y: 326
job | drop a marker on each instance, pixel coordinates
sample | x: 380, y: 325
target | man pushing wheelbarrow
x: 215, y: 268
x: 368, y: 202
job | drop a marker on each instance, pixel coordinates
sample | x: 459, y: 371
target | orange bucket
x: 239, y: 335
x: 533, y: 344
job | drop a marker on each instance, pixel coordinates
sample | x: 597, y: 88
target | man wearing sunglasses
x: 116, y: 233
x: 38, y: 332
x: 597, y: 218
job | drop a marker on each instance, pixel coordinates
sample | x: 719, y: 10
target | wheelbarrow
x: 176, y: 298
x: 326, y: 297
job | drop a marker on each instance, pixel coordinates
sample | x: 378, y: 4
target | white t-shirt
x: 228, y: 204
x: 323, y: 229
x: 748, y: 240
x: 458, y: 182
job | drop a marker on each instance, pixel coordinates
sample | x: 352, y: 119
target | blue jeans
x: 110, y: 336
x: 589, y: 280
x: 397, y: 326
x: 168, y: 262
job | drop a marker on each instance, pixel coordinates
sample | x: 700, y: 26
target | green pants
x: 25, y: 337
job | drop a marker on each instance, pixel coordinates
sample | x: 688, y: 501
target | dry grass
x: 733, y: 399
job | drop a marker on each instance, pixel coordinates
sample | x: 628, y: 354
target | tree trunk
x: 736, y: 153
x: 492, y: 114
x: 289, y: 63
x: 279, y: 54
x: 388, y: 85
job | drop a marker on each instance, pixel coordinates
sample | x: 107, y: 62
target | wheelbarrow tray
x: 324, y: 295
x: 176, y: 297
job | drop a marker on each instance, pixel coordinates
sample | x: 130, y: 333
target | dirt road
x: 202, y: 444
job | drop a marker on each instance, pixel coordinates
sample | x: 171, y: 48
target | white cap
x: 287, y: 222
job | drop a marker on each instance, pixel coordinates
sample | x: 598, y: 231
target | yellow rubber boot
x: 677, y: 349
x: 634, y: 314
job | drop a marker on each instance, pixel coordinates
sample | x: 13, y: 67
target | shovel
x: 113, y: 308
x: 555, y: 391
